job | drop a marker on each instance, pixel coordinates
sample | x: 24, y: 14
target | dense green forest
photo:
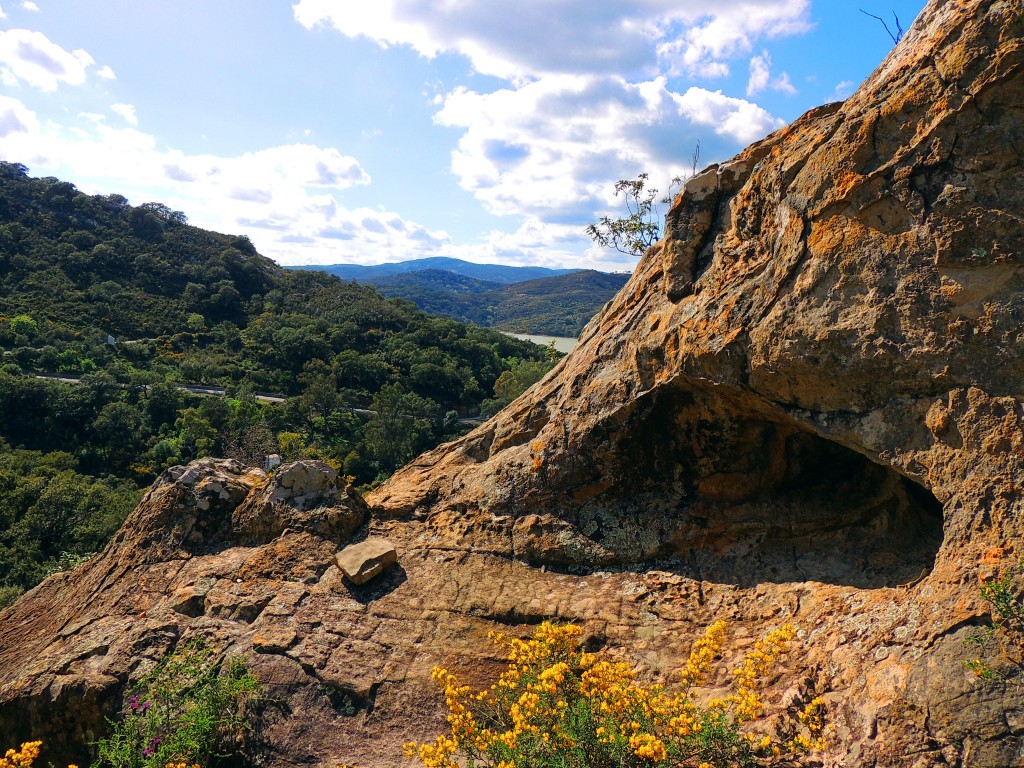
x: 131, y: 303
x: 558, y: 306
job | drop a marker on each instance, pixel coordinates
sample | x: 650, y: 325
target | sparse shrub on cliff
x: 189, y: 709
x: 637, y: 231
x: 640, y: 228
x: 557, y: 705
x: 1001, y: 645
x: 29, y: 751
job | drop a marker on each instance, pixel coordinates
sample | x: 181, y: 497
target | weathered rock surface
x: 805, y: 406
x: 214, y: 549
x: 809, y: 394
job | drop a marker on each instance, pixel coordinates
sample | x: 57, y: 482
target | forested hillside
x: 559, y: 305
x: 133, y: 302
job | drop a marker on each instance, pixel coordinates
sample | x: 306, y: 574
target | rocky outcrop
x: 810, y: 392
x: 214, y: 549
x: 804, y: 407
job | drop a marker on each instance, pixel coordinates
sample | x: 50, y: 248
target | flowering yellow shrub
x: 24, y: 757
x: 557, y: 705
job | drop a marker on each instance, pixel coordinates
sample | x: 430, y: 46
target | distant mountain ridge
x: 495, y: 273
x: 556, y: 302
x: 555, y: 306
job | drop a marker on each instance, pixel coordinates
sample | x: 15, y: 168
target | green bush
x: 1000, y: 645
x: 8, y: 594
x: 191, y: 708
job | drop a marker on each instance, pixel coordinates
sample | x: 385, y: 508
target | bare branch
x: 899, y: 27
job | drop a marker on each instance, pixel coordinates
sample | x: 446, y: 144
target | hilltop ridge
x: 495, y: 273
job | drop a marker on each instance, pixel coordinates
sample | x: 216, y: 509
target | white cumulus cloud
x: 743, y: 121
x: 536, y: 37
x: 30, y: 57
x: 285, y: 197
x: 28, y: 5
x: 16, y: 118
x: 587, y: 100
x: 727, y: 31
x: 106, y: 73
x: 552, y: 148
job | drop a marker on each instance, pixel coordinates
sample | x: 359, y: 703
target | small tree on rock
x: 641, y: 227
x: 635, y: 233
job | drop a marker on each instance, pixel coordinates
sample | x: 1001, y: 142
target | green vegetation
x: 51, y: 516
x: 557, y: 306
x: 190, y: 709
x: 555, y: 706
x: 133, y: 304
x: 512, y: 383
x: 1001, y: 644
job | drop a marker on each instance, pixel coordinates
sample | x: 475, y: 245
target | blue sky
x: 334, y: 131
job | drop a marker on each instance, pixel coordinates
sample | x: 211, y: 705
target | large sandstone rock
x: 809, y: 394
x: 805, y: 406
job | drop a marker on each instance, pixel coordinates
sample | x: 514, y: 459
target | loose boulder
x: 367, y: 559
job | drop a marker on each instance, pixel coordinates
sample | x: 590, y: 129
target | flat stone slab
x: 367, y: 559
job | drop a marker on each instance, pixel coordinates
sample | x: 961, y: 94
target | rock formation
x: 805, y: 406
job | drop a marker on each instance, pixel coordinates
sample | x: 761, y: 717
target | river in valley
x: 562, y: 343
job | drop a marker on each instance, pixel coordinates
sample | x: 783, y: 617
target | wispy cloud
x: 761, y: 77
x: 127, y: 113
x: 842, y: 90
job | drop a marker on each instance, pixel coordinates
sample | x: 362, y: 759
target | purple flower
x: 145, y: 706
x: 133, y: 702
x: 153, y: 744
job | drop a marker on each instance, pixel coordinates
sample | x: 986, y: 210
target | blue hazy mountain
x: 494, y: 273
